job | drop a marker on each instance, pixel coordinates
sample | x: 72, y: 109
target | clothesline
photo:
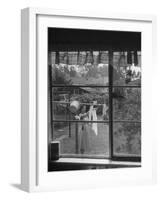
x: 62, y: 102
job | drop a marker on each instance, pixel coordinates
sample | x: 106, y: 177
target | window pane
x: 69, y: 102
x: 83, y: 139
x: 127, y: 68
x: 79, y: 68
x: 127, y: 104
x: 127, y: 139
x: 60, y: 104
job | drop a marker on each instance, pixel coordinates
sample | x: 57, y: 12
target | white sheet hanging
x: 90, y: 113
x: 104, y: 110
x: 93, y: 116
x: 94, y: 125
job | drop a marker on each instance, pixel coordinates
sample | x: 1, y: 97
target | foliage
x: 90, y: 97
x: 127, y: 138
x: 60, y: 77
x: 92, y: 71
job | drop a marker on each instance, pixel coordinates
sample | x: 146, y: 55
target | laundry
x: 93, y: 116
x: 129, y: 57
x: 90, y: 113
x: 135, y: 58
x: 104, y: 111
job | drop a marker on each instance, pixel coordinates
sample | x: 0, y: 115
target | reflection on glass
x: 127, y: 68
x: 127, y: 139
x: 81, y: 139
x: 127, y: 104
x: 79, y: 68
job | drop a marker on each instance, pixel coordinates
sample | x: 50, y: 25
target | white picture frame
x: 34, y: 176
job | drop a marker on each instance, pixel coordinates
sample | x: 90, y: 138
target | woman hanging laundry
x: 84, y: 129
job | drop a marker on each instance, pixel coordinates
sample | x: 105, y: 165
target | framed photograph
x: 86, y: 108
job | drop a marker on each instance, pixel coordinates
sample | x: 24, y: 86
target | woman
x: 84, y: 129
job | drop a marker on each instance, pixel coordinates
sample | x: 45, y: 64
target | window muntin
x: 126, y: 98
x: 127, y: 68
x: 85, y: 83
x: 81, y: 68
x: 72, y: 143
x: 69, y: 90
x: 62, y: 97
x: 67, y: 129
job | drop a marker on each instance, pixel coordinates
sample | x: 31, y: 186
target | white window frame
x: 30, y: 145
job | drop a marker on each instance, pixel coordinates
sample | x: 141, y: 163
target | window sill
x: 95, y: 161
x: 86, y: 163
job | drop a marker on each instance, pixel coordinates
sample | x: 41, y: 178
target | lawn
x: 126, y: 139
x: 98, y: 144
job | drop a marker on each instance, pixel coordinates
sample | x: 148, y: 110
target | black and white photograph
x: 94, y: 99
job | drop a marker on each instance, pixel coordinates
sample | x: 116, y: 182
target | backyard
x: 126, y: 139
x: 126, y: 107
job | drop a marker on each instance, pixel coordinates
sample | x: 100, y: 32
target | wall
x: 10, y: 98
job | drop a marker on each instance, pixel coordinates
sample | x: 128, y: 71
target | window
x: 126, y: 105
x: 94, y: 95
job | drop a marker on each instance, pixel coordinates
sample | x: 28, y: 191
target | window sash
x: 110, y: 122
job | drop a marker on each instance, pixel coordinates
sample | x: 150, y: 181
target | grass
x: 98, y: 144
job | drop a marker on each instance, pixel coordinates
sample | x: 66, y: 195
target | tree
x: 128, y: 137
x: 59, y: 77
